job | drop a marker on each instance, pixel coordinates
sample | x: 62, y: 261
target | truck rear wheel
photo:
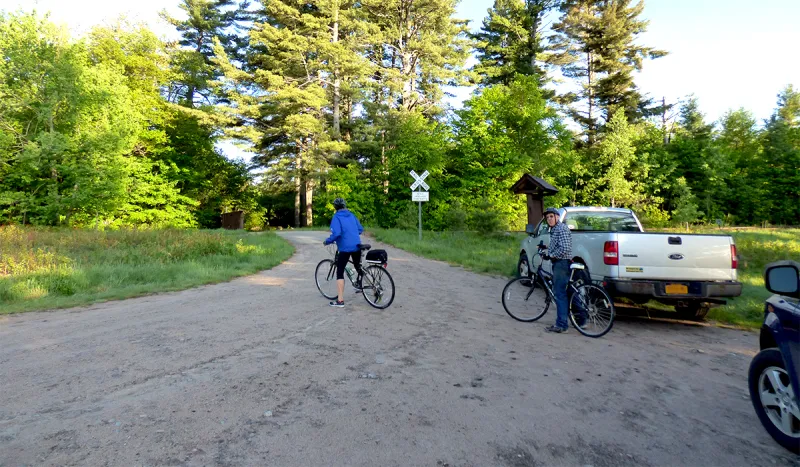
x: 692, y: 311
x: 523, y: 268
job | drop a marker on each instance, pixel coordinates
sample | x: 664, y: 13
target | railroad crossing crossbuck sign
x: 419, y: 180
x: 419, y: 196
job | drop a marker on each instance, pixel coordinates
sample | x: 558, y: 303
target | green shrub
x: 456, y: 217
x: 255, y: 220
x: 485, y: 219
x: 409, y: 218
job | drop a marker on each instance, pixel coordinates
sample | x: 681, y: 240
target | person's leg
x: 340, y: 288
x: 578, y: 302
x: 356, y: 256
x: 341, y: 263
x: 560, y: 280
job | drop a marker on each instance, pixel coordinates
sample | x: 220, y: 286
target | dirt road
x: 260, y: 371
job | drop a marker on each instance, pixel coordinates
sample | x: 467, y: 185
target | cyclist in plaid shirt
x: 560, y: 256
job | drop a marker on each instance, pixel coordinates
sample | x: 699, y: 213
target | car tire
x: 522, y: 266
x: 770, y: 360
x: 694, y: 311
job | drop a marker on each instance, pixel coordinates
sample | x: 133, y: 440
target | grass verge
x: 756, y: 248
x: 499, y: 255
x: 496, y: 254
x: 56, y: 268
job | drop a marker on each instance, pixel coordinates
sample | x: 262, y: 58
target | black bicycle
x: 377, y: 284
x: 528, y: 298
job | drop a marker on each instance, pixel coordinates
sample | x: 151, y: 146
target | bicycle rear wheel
x: 591, y: 311
x: 525, y: 299
x: 378, y: 287
x: 325, y: 277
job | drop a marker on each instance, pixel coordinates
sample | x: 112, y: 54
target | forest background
x: 119, y: 127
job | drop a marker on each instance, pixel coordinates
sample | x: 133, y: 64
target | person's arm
x: 336, y: 231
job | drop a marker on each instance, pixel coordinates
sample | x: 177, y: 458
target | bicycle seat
x: 577, y: 266
x: 364, y: 246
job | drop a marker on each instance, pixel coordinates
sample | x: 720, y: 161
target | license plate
x: 676, y: 289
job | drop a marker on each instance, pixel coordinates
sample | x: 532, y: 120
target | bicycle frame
x: 347, y: 270
x: 547, y: 280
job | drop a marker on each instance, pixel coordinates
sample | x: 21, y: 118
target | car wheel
x: 523, y: 269
x: 693, y: 311
x: 774, y: 398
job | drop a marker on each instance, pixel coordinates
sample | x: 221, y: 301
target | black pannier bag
x: 377, y: 257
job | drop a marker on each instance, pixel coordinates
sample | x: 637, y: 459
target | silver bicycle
x: 376, y: 285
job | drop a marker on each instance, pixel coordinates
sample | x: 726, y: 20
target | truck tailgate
x: 683, y: 257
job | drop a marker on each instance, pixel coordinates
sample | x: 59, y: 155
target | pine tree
x: 739, y: 146
x: 595, y: 46
x: 617, y: 185
x: 691, y: 148
x: 782, y: 159
x: 206, y: 20
x: 417, y: 47
x: 288, y: 95
x: 510, y: 41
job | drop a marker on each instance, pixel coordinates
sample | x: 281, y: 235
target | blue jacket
x: 345, y: 231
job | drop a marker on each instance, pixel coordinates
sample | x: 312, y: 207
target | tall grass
x: 756, y: 249
x: 499, y: 254
x: 493, y: 254
x: 43, y: 268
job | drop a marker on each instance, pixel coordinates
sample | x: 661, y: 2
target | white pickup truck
x: 689, y: 271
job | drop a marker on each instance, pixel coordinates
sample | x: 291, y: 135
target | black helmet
x: 553, y: 211
x: 339, y: 203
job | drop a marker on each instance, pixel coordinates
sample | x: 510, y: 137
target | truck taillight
x: 611, y: 253
x: 734, y: 258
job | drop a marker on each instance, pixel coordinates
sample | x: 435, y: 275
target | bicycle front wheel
x: 525, y: 299
x: 591, y: 311
x: 378, y: 287
x: 325, y: 277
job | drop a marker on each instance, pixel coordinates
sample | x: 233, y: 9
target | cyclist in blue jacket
x: 346, y: 233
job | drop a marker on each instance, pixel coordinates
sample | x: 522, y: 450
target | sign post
x: 420, y: 196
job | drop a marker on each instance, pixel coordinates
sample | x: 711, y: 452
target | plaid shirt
x: 560, y: 242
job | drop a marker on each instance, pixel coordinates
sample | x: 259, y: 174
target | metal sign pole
x: 420, y: 220
x: 417, y: 195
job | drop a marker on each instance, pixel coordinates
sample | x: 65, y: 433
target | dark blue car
x: 774, y: 372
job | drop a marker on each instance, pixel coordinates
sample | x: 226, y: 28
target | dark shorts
x: 341, y: 263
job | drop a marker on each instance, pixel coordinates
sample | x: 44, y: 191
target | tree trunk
x: 190, y: 95
x: 664, y: 119
x: 590, y: 116
x: 198, y: 46
x: 667, y: 131
x: 408, y: 81
x: 298, y: 185
x: 384, y: 164
x: 337, y: 83
x: 535, y: 11
x: 309, y: 199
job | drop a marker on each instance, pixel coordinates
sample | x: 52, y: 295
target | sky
x: 729, y: 53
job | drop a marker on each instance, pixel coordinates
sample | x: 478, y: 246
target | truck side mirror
x: 530, y: 229
x: 783, y: 278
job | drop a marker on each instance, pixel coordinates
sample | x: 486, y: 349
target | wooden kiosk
x: 535, y: 189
